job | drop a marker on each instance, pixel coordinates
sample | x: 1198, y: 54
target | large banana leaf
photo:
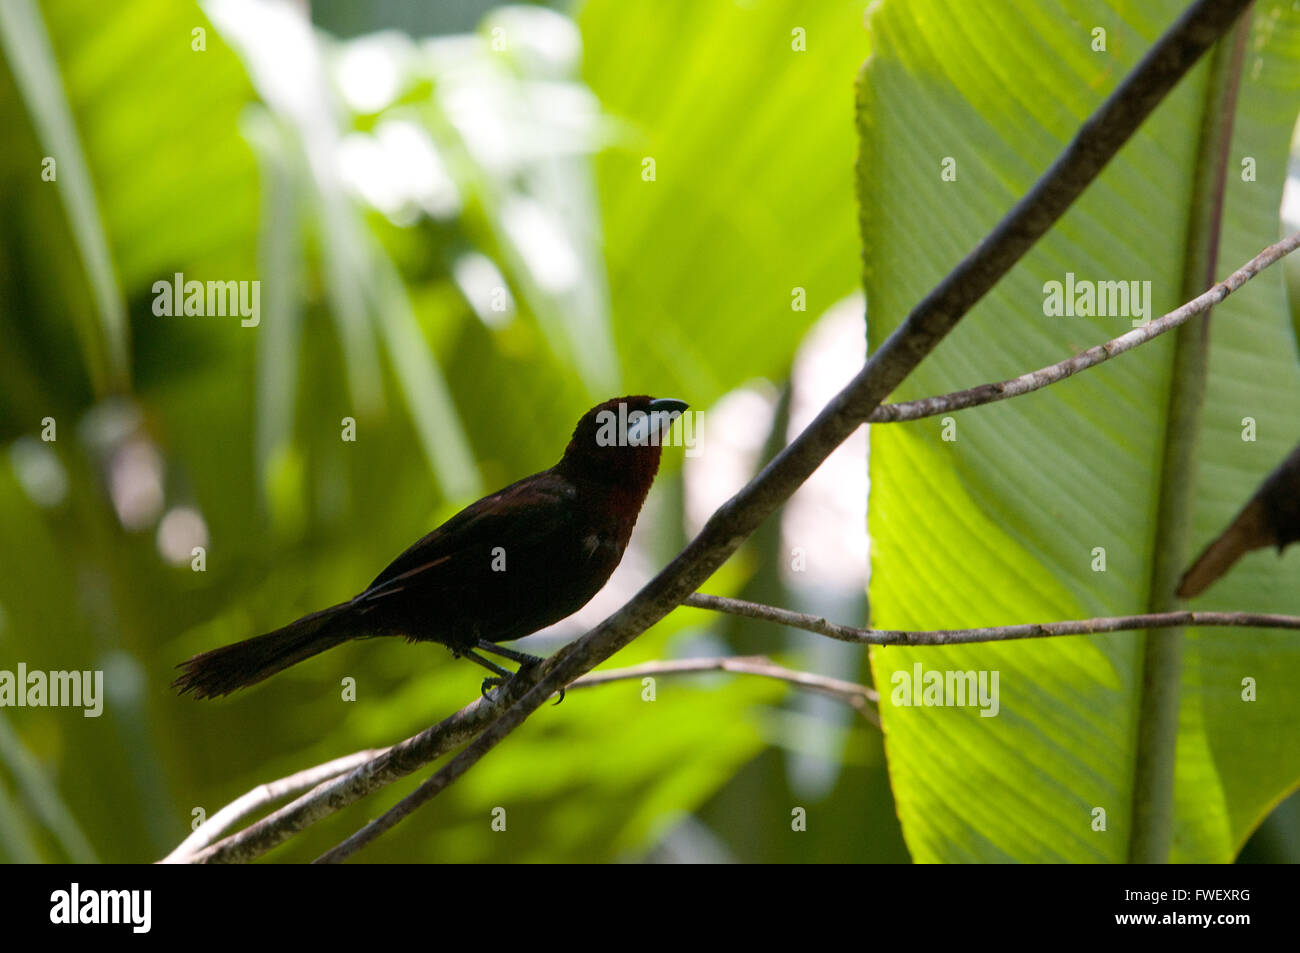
x: 1005, y: 522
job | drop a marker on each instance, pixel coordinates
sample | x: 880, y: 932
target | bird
x: 504, y: 567
x: 1270, y: 518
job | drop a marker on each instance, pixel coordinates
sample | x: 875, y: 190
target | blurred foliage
x: 751, y: 197
x: 456, y: 248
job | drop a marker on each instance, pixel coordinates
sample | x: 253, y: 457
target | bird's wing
x: 516, y: 516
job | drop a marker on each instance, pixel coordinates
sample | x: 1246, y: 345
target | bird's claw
x: 494, y: 682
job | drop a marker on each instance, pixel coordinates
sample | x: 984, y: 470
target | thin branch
x: 795, y: 620
x: 261, y: 796
x: 1095, y: 144
x: 999, y: 633
x: 1036, y: 380
x: 394, y: 763
x: 855, y: 695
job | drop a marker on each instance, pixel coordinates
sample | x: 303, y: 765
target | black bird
x: 1270, y: 518
x: 503, y: 567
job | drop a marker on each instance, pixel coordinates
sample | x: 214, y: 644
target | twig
x: 1036, y: 380
x: 1096, y: 142
x: 262, y: 795
x: 855, y: 695
x: 998, y: 633
x: 333, y: 795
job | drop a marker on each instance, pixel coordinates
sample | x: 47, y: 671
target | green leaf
x: 1005, y: 522
x: 445, y: 445
x: 30, y: 55
x: 44, y: 801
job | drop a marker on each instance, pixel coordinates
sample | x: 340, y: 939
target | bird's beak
x: 658, y: 420
x: 668, y: 405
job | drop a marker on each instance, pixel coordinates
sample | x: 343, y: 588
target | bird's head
x: 618, y: 442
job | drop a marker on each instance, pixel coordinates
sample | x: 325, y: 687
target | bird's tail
x: 232, y: 667
x: 1250, y: 530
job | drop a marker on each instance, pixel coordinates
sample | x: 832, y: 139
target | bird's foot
x: 490, y: 683
x: 496, y: 681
